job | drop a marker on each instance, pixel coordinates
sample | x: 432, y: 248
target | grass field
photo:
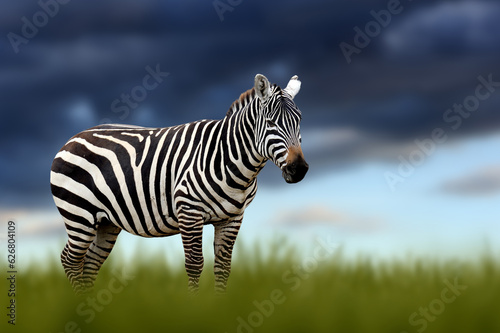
x: 320, y: 293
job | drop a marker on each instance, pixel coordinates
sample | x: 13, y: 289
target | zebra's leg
x: 191, y: 228
x: 98, y: 252
x: 225, y: 237
x: 74, y: 252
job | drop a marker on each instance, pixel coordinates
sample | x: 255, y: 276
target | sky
x: 400, y: 103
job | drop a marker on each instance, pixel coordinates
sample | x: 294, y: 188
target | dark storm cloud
x: 67, y: 76
x: 449, y: 27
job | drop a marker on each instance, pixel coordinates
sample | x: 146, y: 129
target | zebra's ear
x: 293, y: 86
x: 262, y: 87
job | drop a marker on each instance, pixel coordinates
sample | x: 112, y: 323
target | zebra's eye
x: 270, y: 123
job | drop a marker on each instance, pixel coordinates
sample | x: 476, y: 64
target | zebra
x: 156, y: 182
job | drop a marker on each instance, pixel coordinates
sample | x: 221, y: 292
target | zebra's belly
x: 152, y: 228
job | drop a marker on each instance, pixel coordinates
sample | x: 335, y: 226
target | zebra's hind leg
x: 225, y: 237
x: 74, y: 252
x: 98, y: 252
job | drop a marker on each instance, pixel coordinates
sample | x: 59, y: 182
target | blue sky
x: 360, y: 117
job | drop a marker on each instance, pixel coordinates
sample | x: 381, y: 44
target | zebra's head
x: 278, y: 127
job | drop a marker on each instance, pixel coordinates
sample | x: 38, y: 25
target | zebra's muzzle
x: 296, y: 168
x: 294, y: 173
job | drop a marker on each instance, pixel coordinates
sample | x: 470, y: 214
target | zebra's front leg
x: 191, y: 232
x: 225, y: 237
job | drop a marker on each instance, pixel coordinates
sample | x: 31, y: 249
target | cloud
x: 34, y: 222
x: 318, y: 143
x: 446, y: 27
x: 310, y: 215
x: 323, y: 215
x: 318, y: 138
x: 484, y: 181
x: 91, y: 52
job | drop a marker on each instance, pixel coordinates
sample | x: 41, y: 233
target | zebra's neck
x: 240, y: 157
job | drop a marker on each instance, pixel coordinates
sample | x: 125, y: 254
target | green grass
x: 274, y: 294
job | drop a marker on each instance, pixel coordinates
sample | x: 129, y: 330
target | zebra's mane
x: 246, y: 98
x: 243, y: 100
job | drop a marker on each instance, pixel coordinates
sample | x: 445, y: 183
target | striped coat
x: 157, y: 182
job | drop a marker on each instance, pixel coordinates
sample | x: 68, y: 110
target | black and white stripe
x: 157, y: 182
